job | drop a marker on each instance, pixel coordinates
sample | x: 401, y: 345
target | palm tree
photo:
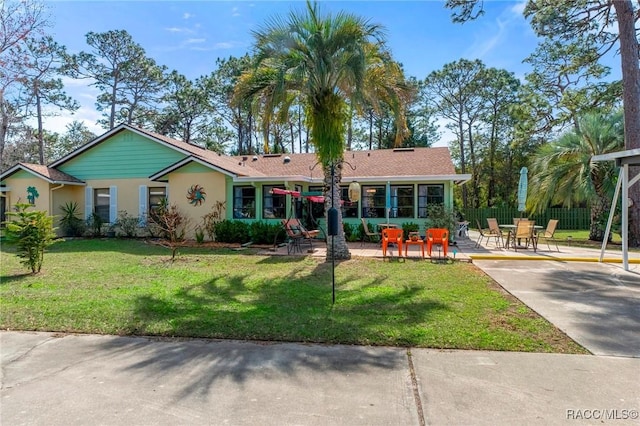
x: 563, y: 173
x: 329, y: 63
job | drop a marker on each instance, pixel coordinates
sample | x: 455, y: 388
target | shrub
x: 128, y: 225
x: 71, y: 223
x: 233, y: 231
x: 173, y: 226
x: 151, y: 224
x: 351, y: 232
x: 199, y: 235
x: 31, y: 232
x: 266, y: 233
x: 408, y: 227
x: 94, y: 223
x: 439, y: 216
x: 211, y: 219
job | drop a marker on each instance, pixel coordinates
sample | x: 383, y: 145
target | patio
x: 465, y: 250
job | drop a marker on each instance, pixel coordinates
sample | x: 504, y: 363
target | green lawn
x: 130, y: 288
x: 580, y: 238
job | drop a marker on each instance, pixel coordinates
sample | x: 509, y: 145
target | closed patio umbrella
x: 522, y: 190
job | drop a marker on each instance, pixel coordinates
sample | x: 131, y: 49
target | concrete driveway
x: 596, y: 304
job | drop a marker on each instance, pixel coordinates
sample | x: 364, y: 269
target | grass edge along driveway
x: 129, y: 287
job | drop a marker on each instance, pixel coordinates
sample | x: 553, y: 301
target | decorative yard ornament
x: 354, y: 192
x: 32, y: 194
x: 196, y: 195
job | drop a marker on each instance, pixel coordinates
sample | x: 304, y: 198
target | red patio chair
x: 392, y: 236
x: 437, y: 236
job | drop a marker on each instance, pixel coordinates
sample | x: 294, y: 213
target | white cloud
x: 518, y: 8
x: 178, y: 30
x: 225, y: 45
x: 493, y: 35
x: 195, y: 40
x: 235, y: 12
x: 187, y: 15
x: 484, y: 45
x: 87, y: 115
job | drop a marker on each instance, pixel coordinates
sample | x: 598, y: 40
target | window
x: 349, y: 208
x: 101, y: 203
x: 429, y: 194
x: 401, y: 201
x: 274, y: 206
x: 374, y: 201
x: 244, y: 202
x: 297, y: 202
x: 157, y: 195
x: 317, y: 209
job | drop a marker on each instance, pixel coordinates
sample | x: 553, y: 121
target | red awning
x: 278, y: 191
x: 312, y: 198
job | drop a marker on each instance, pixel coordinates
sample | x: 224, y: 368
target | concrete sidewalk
x: 50, y: 379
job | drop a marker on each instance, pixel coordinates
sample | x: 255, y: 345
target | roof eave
x: 411, y: 178
x: 19, y: 167
x: 175, y: 166
x: 458, y: 179
x: 289, y: 178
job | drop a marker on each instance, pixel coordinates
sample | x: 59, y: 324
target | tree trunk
x: 300, y: 128
x: 631, y: 103
x: 370, y: 129
x: 350, y: 130
x: 598, y: 215
x: 4, y: 126
x: 112, y: 114
x: 475, y: 178
x: 239, y: 132
x: 337, y: 244
x: 491, y: 185
x: 40, y: 130
x: 293, y: 138
x: 463, y: 165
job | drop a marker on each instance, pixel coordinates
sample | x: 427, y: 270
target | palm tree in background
x: 563, y: 173
x: 329, y: 63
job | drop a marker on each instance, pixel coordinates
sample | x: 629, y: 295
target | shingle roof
x: 380, y: 163
x: 48, y: 173
x: 384, y: 163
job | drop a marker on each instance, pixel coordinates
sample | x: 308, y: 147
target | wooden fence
x: 574, y: 218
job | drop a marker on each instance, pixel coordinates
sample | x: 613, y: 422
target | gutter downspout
x: 51, y: 197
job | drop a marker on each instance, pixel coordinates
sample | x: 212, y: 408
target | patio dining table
x: 382, y: 226
x: 511, y: 228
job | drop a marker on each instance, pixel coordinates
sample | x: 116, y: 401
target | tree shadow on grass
x: 290, y: 308
x: 274, y: 260
x: 8, y: 279
x: 140, y: 246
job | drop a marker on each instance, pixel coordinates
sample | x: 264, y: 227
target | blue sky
x: 189, y: 36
